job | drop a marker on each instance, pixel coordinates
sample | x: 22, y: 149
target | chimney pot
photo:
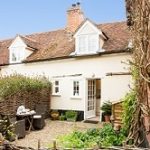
x: 73, y: 5
x: 78, y: 3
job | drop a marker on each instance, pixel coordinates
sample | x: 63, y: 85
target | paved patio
x: 51, y: 132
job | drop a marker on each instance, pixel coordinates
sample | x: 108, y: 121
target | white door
x: 91, y: 99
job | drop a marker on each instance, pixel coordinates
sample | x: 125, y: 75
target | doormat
x: 91, y: 121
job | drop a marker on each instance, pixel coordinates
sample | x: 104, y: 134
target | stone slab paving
x: 51, y: 131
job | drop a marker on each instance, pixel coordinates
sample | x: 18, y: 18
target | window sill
x: 54, y: 94
x: 76, y: 97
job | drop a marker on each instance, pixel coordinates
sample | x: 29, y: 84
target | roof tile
x: 59, y: 43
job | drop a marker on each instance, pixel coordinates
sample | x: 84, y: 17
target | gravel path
x: 51, y: 131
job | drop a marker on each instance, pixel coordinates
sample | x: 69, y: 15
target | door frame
x: 86, y: 96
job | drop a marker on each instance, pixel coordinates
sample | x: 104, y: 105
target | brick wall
x: 30, y: 99
x: 75, y: 17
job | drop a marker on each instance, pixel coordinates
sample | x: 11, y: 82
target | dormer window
x: 20, y: 49
x: 15, y: 56
x: 87, y: 44
x: 88, y: 39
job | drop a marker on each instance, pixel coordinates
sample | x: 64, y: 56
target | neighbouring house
x: 85, y: 62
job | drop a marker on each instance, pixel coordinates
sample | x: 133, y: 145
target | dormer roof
x: 93, y: 25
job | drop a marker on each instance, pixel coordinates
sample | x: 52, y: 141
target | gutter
x: 73, y: 56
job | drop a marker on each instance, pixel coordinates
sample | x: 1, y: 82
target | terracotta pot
x: 107, y: 118
x: 55, y: 115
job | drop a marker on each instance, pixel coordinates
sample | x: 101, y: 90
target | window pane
x: 56, y: 89
x: 56, y: 82
x: 13, y: 57
x: 82, y: 43
x: 76, y: 88
x: 92, y: 43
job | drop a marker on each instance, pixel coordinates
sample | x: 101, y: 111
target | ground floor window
x: 76, y: 88
x: 56, y: 87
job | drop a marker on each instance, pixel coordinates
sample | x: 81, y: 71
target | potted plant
x: 71, y: 115
x: 54, y: 115
x: 62, y: 117
x: 106, y: 108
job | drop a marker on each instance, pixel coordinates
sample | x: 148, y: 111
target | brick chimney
x: 75, y: 17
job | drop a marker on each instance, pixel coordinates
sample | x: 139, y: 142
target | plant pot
x: 107, y: 118
x: 71, y: 119
x: 55, y: 115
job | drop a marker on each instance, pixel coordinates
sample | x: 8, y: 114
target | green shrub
x: 106, y: 108
x: 129, y: 106
x: 71, y: 114
x: 12, y: 84
x: 62, y: 117
x: 102, y: 137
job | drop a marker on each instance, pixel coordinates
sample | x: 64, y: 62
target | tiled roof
x: 4, y: 52
x: 57, y: 44
x: 30, y: 42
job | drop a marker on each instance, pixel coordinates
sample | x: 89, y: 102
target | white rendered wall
x: 115, y: 87
x: 94, y: 67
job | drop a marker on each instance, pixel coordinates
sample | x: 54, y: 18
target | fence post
x: 54, y: 145
x: 39, y: 144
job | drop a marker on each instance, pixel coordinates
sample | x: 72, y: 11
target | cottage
x: 85, y: 62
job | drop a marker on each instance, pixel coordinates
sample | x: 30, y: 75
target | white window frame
x: 17, y: 53
x: 78, y: 96
x: 88, y: 39
x: 54, y: 86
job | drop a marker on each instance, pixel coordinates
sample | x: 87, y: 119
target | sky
x: 34, y: 16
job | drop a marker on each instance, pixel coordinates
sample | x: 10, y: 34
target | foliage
x: 129, y: 106
x: 71, y: 114
x: 106, y: 108
x: 102, y: 137
x: 12, y: 84
x: 6, y: 128
x: 62, y: 117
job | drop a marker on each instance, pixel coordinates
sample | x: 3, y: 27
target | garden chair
x: 39, y: 117
x: 19, y: 127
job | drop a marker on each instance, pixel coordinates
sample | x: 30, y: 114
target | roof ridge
x: 123, y: 21
x: 28, y: 38
x: 55, y: 30
x: 4, y: 40
x: 44, y: 32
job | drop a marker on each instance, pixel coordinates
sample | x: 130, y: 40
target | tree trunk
x: 138, y: 20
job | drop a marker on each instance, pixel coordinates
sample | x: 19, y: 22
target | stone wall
x: 29, y: 99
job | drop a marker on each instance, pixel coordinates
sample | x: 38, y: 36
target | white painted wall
x: 113, y: 88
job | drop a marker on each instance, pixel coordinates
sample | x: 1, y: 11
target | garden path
x: 51, y: 131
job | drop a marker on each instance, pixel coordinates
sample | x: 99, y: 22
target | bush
x: 106, y: 108
x: 129, y: 106
x: 12, y: 84
x: 71, y: 114
x: 103, y: 137
x: 62, y: 117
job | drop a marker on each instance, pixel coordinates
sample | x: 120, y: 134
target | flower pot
x: 55, y: 115
x: 71, y: 119
x: 107, y: 118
